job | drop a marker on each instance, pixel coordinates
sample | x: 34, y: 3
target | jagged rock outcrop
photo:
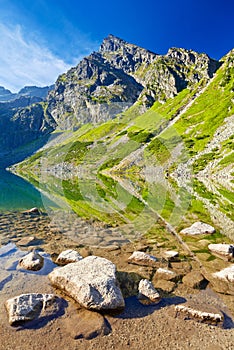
x: 93, y: 91
x: 125, y: 56
x: 121, y: 74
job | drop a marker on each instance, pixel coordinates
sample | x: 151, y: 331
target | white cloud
x: 26, y: 62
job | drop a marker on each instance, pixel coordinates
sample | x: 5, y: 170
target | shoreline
x: 137, y: 326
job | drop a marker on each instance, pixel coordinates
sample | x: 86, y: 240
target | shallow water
x: 18, y: 194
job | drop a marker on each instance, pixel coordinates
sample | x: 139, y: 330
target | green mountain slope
x: 172, y: 164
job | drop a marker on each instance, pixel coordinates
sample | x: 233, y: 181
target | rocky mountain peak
x: 112, y: 43
x: 192, y: 58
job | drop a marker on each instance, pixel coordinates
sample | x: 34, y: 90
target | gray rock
x: 165, y: 274
x: 91, y: 282
x: 226, y: 274
x: 198, y: 228
x: 202, y: 313
x: 26, y: 307
x: 226, y: 250
x: 170, y: 255
x: 68, y: 256
x: 223, y: 280
x: 195, y: 279
x: 147, y: 290
x: 141, y: 258
x: 32, y: 211
x: 32, y: 261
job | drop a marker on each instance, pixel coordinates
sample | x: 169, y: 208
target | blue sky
x: 42, y: 38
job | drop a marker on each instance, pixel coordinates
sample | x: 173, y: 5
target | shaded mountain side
x: 27, y: 91
x: 22, y: 119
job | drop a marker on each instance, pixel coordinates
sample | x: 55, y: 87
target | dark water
x: 18, y: 194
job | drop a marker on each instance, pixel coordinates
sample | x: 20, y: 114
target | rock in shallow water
x: 68, y: 256
x: 26, y: 307
x: 91, y: 282
x: 198, y: 228
x: 32, y: 261
x: 27, y: 241
x: 86, y: 324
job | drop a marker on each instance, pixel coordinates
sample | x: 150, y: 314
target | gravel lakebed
x: 151, y: 326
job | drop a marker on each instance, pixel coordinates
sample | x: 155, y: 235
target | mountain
x: 22, y: 119
x: 27, y: 91
x: 171, y: 151
x: 119, y: 74
x: 125, y: 74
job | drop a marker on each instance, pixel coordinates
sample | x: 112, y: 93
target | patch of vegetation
x: 201, y: 163
x: 159, y: 150
x: 140, y: 136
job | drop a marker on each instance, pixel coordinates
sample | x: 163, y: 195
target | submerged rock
x: 141, y: 258
x: 27, y: 241
x: 147, y: 291
x: 91, y: 282
x: 26, y: 307
x: 86, y: 324
x: 198, y: 228
x: 68, y: 256
x: 32, y: 261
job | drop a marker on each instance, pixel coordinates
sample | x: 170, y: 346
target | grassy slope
x: 107, y: 144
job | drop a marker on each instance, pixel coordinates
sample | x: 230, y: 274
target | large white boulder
x: 198, y: 228
x: 222, y: 249
x: 226, y: 274
x: 91, y: 282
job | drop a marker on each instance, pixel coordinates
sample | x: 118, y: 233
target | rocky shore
x: 56, y: 293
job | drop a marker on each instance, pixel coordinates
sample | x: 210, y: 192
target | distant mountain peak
x: 112, y: 43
